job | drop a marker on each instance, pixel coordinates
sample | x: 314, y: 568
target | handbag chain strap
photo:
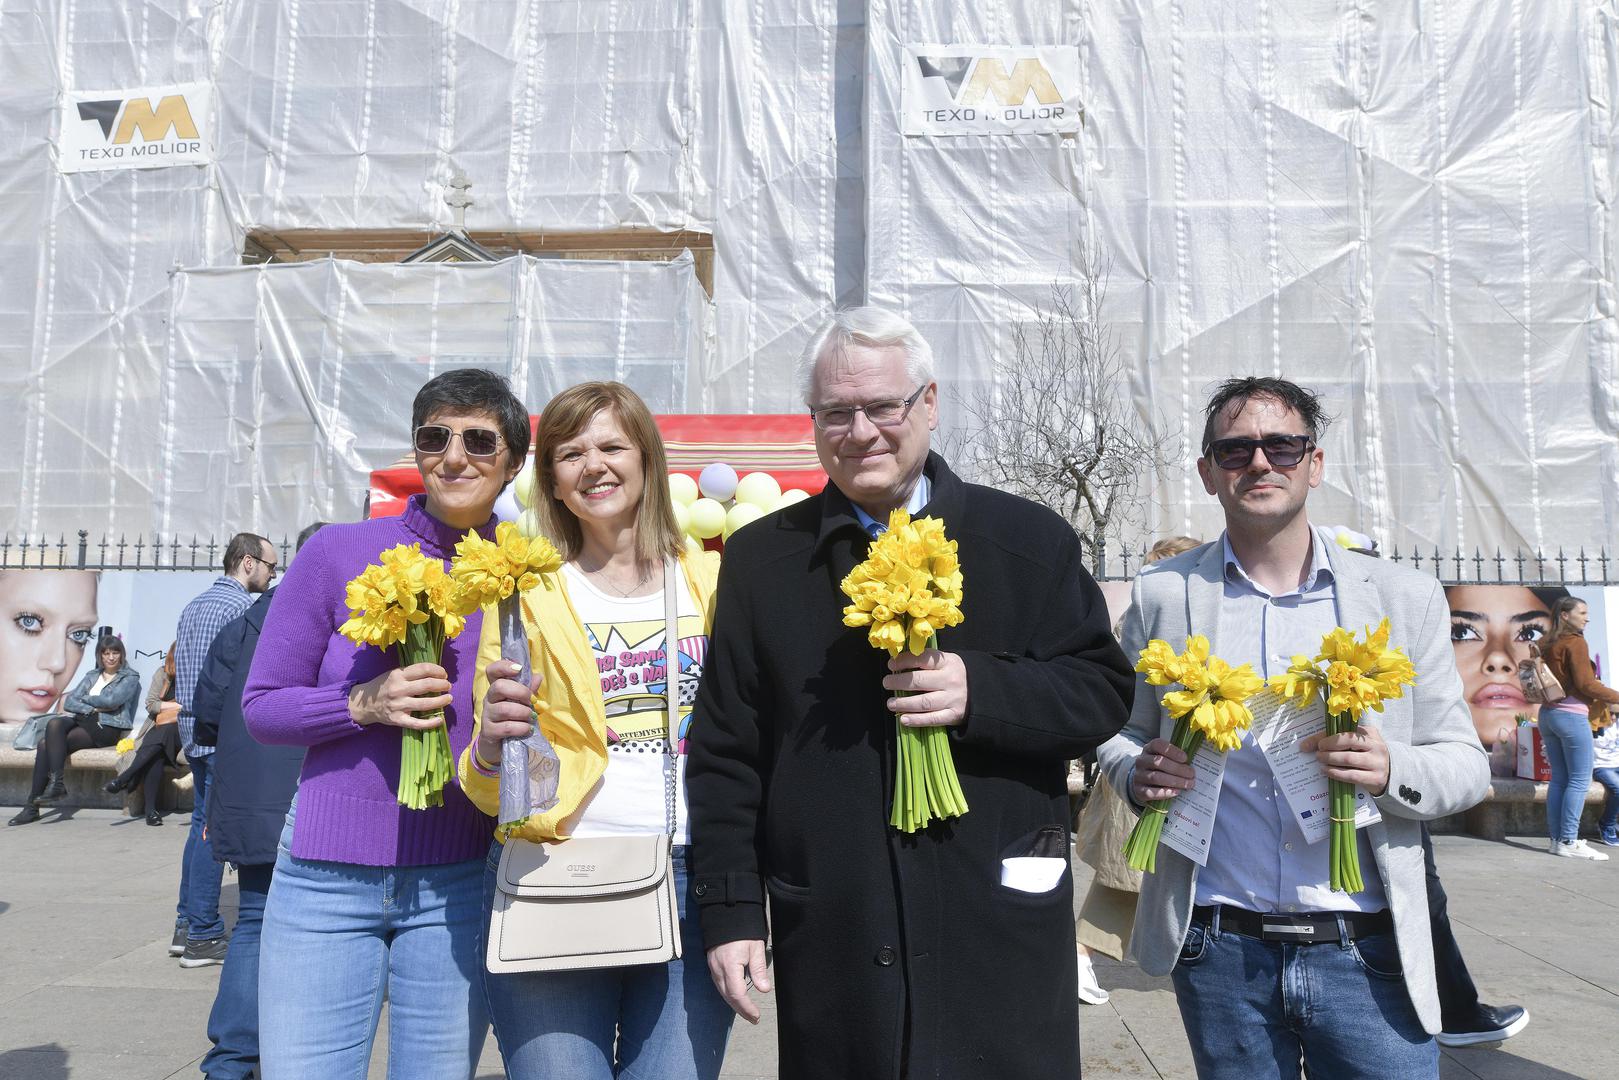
x: 671, y: 685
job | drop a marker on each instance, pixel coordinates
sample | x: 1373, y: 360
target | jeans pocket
x: 1194, y: 947
x: 1378, y: 956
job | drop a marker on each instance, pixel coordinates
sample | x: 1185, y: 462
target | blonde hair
x: 656, y: 534
x: 1170, y: 546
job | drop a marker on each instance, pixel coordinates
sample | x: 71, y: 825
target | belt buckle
x: 1286, y: 930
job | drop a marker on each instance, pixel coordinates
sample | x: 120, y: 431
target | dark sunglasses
x: 476, y: 441
x: 1283, y: 451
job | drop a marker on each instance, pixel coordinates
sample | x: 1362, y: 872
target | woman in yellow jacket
x: 597, y: 643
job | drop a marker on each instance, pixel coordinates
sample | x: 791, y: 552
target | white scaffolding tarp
x: 285, y: 385
x: 1406, y: 204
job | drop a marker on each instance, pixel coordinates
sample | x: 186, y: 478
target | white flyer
x: 1190, y: 821
x: 1279, y: 727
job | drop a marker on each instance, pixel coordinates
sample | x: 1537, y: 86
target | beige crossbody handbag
x: 595, y: 902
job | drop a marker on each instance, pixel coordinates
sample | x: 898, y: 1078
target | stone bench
x: 1517, y: 807
x: 86, y: 772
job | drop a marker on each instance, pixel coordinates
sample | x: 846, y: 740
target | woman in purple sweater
x: 369, y: 897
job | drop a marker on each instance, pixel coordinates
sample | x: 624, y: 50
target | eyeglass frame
x: 907, y: 403
x: 275, y: 567
x: 453, y: 434
x: 1251, y: 445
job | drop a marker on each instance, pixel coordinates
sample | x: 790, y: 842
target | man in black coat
x: 251, y: 788
x: 899, y: 955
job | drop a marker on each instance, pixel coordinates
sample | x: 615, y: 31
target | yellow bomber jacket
x: 572, y: 714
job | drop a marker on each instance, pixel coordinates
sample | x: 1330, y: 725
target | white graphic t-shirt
x: 627, y: 637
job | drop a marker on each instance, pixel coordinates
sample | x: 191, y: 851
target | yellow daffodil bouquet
x: 1353, y: 675
x: 498, y: 572
x: 407, y: 600
x: 907, y: 590
x: 1207, y: 706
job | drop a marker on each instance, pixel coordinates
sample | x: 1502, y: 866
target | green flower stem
x: 425, y: 762
x: 1344, y: 856
x: 925, y: 782
x: 1141, y: 850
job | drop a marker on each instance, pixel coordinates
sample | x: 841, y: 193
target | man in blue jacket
x: 252, y: 786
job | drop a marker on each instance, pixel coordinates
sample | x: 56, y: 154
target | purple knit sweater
x: 297, y: 695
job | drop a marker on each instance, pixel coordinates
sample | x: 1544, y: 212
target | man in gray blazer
x: 1270, y: 966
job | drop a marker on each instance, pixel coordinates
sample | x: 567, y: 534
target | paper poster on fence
x: 990, y: 89
x: 146, y: 127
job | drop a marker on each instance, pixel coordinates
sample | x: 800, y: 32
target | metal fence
x: 1120, y: 562
x: 1108, y: 561
x: 155, y: 553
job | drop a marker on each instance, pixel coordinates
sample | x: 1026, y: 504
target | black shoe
x: 26, y: 815
x: 1489, y: 1024
x: 203, y: 953
x: 177, y: 944
x: 115, y: 786
x: 154, y: 818
x: 55, y: 791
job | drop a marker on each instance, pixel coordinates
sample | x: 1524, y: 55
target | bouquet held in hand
x: 408, y: 601
x: 1206, y: 706
x: 907, y: 590
x: 1352, y: 675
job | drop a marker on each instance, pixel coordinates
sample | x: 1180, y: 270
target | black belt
x: 1301, y: 928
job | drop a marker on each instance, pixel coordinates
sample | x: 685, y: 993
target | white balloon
x: 760, y: 489
x: 717, y: 481
x: 682, y: 488
x: 506, y: 507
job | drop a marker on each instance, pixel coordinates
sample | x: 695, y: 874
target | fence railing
x: 142, y: 553
x: 1109, y: 561
x: 1119, y: 562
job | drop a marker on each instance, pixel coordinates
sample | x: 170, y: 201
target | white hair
x: 873, y: 327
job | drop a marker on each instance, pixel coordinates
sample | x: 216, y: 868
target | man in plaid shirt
x: 250, y: 563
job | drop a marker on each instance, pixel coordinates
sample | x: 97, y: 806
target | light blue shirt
x: 1257, y: 856
x: 919, y: 498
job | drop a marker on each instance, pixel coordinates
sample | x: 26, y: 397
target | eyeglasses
x: 885, y: 413
x: 1283, y: 451
x: 265, y: 562
x: 476, y: 441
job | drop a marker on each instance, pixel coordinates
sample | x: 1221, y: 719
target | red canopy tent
x: 783, y: 446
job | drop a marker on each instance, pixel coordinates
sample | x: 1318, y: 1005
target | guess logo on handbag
x: 580, y: 869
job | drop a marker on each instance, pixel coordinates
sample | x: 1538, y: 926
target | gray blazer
x: 1436, y: 765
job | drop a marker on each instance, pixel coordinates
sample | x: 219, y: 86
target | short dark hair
x: 241, y: 546
x: 1233, y: 394
x: 115, y: 643
x: 309, y: 530
x: 475, y: 390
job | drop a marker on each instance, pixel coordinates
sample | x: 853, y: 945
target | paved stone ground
x: 88, y: 992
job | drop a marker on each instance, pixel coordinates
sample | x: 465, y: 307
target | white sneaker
x: 1090, y: 991
x: 1554, y: 847
x: 1576, y: 849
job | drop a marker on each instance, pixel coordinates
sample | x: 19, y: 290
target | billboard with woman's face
x: 47, y: 617
x: 1491, y: 628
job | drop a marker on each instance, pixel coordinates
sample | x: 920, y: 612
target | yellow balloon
x: 523, y: 486
x: 683, y: 488
x: 707, y: 519
x: 528, y: 523
x: 682, y: 517
x: 760, y: 489
x: 739, y: 515
x: 790, y: 496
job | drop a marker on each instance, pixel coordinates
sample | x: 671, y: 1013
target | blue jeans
x: 1609, y: 779
x: 233, y: 1025
x: 338, y: 936
x: 200, y: 875
x: 1567, y: 738
x: 669, y: 1021
x: 1254, y: 1009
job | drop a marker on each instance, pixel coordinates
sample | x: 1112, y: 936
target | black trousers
x: 159, y: 748
x: 1458, y: 997
x: 63, y: 735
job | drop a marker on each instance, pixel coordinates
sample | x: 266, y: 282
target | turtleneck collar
x: 436, y: 537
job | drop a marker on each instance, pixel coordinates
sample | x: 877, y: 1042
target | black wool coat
x: 252, y: 784
x: 900, y: 955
